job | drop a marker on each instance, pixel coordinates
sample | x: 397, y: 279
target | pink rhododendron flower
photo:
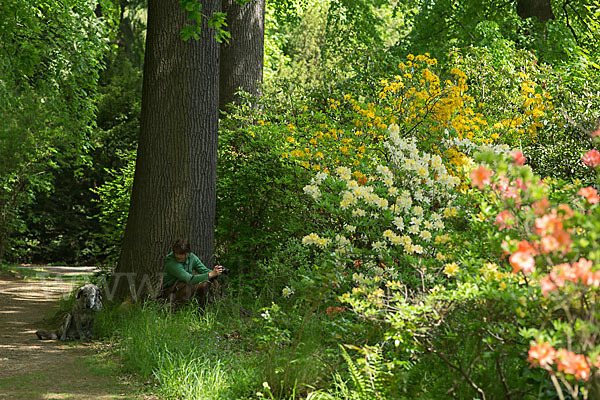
x: 590, y: 194
x: 504, y: 220
x: 591, y: 158
x: 480, y: 177
x: 518, y: 157
x: 541, y: 354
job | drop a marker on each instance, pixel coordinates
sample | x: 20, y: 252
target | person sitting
x: 186, y: 277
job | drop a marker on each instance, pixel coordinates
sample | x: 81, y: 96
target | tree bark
x: 540, y: 9
x: 242, y: 58
x: 174, y: 188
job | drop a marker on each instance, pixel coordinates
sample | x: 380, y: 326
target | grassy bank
x: 218, y: 353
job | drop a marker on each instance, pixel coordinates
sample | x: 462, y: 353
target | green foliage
x: 256, y: 191
x: 49, y: 67
x: 560, y: 103
x: 216, y: 21
x: 441, y: 25
x: 113, y: 198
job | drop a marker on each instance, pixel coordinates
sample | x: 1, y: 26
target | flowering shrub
x: 546, y: 111
x: 442, y: 257
x: 387, y: 216
x: 408, y: 268
x: 352, y: 129
x: 551, y: 240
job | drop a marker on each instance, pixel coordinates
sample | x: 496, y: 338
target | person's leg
x: 183, y: 292
x: 200, y: 291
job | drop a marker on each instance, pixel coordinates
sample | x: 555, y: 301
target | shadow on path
x: 46, y: 370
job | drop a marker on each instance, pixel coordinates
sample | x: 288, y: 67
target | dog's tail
x: 46, y: 335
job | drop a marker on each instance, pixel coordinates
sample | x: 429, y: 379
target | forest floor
x: 31, y: 369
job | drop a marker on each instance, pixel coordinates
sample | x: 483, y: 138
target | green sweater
x: 182, y: 271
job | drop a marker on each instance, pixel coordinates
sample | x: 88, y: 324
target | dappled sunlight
x: 49, y: 369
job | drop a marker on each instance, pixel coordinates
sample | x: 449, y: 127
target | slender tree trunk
x: 540, y: 9
x: 174, y: 188
x: 242, y: 59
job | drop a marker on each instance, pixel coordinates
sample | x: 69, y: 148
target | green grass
x: 187, y: 353
x: 212, y: 354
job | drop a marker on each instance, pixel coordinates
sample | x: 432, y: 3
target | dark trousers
x: 180, y: 292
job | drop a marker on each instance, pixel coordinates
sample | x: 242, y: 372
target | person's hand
x: 217, y: 270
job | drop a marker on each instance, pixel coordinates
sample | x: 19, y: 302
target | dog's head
x: 91, y: 296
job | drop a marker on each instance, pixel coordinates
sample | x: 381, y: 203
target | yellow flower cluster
x: 314, y: 239
x: 352, y: 132
x: 532, y: 106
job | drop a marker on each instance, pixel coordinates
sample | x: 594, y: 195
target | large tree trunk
x: 175, y: 178
x: 540, y: 9
x: 242, y: 59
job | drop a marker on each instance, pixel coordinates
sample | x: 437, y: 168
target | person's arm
x: 175, y: 269
x: 201, y: 269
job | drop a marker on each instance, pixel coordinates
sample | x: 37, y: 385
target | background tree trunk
x: 241, y: 63
x: 174, y: 189
x: 540, y: 9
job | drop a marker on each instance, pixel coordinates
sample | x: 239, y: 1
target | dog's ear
x: 79, y: 293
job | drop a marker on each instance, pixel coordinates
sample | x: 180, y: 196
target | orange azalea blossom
x: 480, y: 177
x: 547, y: 285
x: 572, y: 364
x: 526, y: 247
x: 550, y: 227
x: 522, y: 259
x: 581, y: 271
x: 564, y: 240
x: 331, y: 311
x: 504, y: 220
x: 565, y: 210
x: 554, y: 280
x: 549, y: 244
x: 596, y: 132
x: 541, y: 206
x: 518, y: 157
x: 590, y: 194
x: 541, y: 354
x: 508, y: 191
x: 591, y: 158
x: 548, y: 224
x: 363, y: 180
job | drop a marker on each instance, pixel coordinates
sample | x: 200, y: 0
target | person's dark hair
x: 181, y: 246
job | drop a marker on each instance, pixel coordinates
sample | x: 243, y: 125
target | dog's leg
x: 79, y: 328
x: 66, y: 326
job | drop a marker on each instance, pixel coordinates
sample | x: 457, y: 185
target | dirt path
x: 31, y: 369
